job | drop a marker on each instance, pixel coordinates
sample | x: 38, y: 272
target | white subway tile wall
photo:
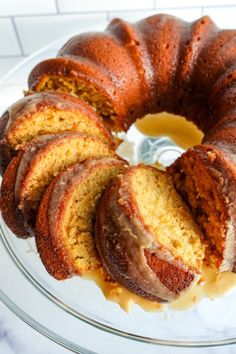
x: 224, y: 17
x: 6, y: 64
x: 50, y: 28
x: 8, y: 39
x: 27, y: 25
x: 186, y: 14
x: 103, y: 5
x: 192, y: 3
x: 25, y: 7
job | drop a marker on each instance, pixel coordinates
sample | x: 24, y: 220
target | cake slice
x: 66, y: 215
x: 37, y: 164
x: 146, y: 236
x: 46, y: 113
x: 205, y: 178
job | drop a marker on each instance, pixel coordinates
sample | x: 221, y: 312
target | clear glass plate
x: 74, y: 313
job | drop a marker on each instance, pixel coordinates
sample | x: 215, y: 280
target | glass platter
x: 75, y: 313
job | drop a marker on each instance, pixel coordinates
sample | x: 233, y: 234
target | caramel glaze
x: 132, y: 257
x: 6, y: 153
x: 53, y: 251
x: 12, y: 216
x: 45, y: 248
x: 212, y: 285
x: 38, y: 103
x: 30, y: 155
x: 30, y: 152
x: 184, y: 133
x: 10, y: 187
x: 117, y: 293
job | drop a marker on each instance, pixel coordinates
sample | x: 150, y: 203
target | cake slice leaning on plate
x: 66, y: 217
x: 29, y: 174
x: 146, y: 236
x: 46, y: 113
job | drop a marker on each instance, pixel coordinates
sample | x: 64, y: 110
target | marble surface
x: 16, y: 337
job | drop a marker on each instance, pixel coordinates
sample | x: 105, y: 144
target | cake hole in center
x: 182, y: 132
x: 161, y: 137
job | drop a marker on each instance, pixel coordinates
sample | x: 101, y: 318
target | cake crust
x: 10, y: 212
x: 219, y: 165
x: 40, y: 103
x: 54, y: 252
x: 45, y: 247
x: 129, y: 252
x: 36, y: 153
x: 72, y: 69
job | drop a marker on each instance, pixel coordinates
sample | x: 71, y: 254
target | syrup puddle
x: 118, y: 294
x: 212, y: 285
x: 184, y: 133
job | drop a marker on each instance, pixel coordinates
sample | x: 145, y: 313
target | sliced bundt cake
x: 46, y: 113
x: 66, y: 215
x: 162, y: 63
x: 35, y: 167
x: 146, y: 236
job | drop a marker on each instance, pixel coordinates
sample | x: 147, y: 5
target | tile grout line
x: 13, y: 56
x: 55, y: 14
x: 57, y: 6
x: 63, y: 13
x: 17, y: 35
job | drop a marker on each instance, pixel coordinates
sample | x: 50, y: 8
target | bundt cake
x: 146, y: 236
x: 65, y: 221
x: 46, y: 113
x: 29, y: 173
x: 164, y: 64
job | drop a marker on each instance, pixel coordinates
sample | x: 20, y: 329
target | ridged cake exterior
x: 161, y: 63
